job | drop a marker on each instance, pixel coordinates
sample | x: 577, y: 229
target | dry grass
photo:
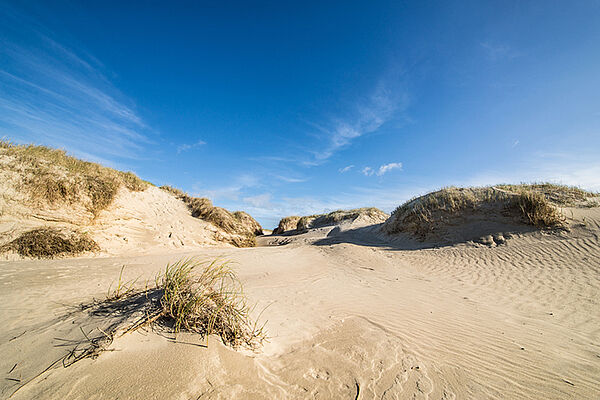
x: 51, y: 176
x: 236, y: 223
x: 562, y: 195
x: 319, y: 220
x: 287, y: 224
x: 421, y: 216
x: 192, y: 296
x: 49, y: 243
x: 208, y: 299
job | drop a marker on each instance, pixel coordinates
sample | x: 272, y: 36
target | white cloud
x: 186, y: 147
x: 388, y: 167
x: 368, y: 171
x: 368, y: 117
x: 290, y: 179
x: 259, y: 201
x: 346, y: 169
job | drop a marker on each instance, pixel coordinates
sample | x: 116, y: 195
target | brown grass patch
x: 49, y: 243
x: 236, y: 223
x: 335, y: 217
x: 287, y: 224
x: 51, y: 176
x: 421, y: 216
x: 562, y: 195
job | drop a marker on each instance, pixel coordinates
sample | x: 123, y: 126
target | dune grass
x: 562, y: 195
x: 189, y: 296
x: 334, y: 217
x: 236, y: 223
x: 51, y: 176
x: 422, y: 215
x: 208, y: 299
x: 287, y: 224
x: 50, y: 243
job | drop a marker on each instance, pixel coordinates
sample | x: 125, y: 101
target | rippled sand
x: 347, y: 318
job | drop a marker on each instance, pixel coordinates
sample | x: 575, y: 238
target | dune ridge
x: 62, y: 201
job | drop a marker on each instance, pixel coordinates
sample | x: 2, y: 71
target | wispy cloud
x: 190, y: 146
x: 346, y: 169
x: 388, y: 167
x: 367, y: 171
x: 232, y: 192
x: 290, y: 179
x: 259, y: 201
x: 382, y: 170
x: 367, y: 116
x: 53, y: 94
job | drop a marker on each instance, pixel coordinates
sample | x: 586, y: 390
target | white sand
x: 349, y: 316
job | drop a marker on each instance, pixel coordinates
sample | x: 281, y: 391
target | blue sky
x: 282, y: 108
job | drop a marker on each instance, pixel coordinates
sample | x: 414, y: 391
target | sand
x: 349, y: 315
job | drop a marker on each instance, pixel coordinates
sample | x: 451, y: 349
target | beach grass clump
x: 189, y: 296
x: 241, y: 225
x: 422, y: 216
x: 51, y: 176
x: 208, y: 299
x: 562, y: 195
x: 49, y: 243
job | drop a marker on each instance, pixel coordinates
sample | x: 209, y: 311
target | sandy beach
x: 346, y: 318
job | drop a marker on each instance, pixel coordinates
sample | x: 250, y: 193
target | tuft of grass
x: 208, y: 299
x: 536, y: 209
x: 49, y: 243
x: 423, y: 215
x: 237, y: 223
x: 51, y: 176
x: 192, y: 296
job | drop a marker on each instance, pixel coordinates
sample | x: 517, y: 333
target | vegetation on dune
x: 295, y: 223
x: 208, y: 302
x: 236, y: 223
x: 557, y: 194
x: 189, y: 296
x: 335, y: 217
x: 287, y: 224
x: 49, y: 243
x: 51, y: 176
x: 531, y: 204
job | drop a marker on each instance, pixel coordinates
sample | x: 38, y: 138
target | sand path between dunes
x: 520, y: 320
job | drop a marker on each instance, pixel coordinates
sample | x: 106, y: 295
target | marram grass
x: 194, y: 296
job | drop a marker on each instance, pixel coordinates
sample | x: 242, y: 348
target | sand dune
x: 347, y: 318
x: 43, y: 188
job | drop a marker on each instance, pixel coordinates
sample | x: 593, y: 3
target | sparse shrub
x: 49, y: 243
